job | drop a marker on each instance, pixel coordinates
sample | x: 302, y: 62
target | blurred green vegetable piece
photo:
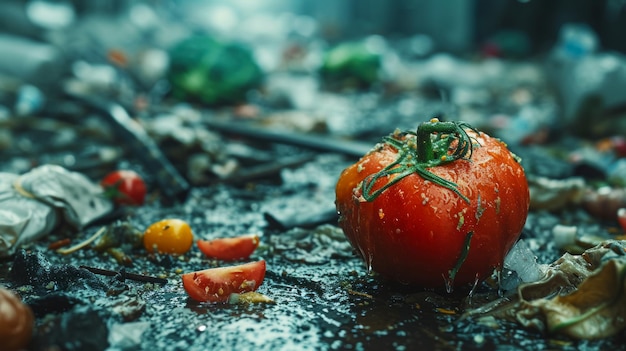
x: 213, y: 72
x: 351, y: 64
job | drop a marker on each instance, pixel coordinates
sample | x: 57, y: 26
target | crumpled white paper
x: 33, y: 204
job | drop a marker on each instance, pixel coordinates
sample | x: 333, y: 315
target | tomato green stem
x: 464, y: 252
x: 432, y: 153
x: 429, y: 146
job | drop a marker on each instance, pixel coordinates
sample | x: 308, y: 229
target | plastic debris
x: 587, y: 82
x: 564, y: 235
x: 576, y: 41
x: 29, y: 61
x: 526, y: 126
x: 29, y: 100
x: 617, y: 173
x: 51, y: 15
x: 604, y: 202
x: 33, y: 204
x: 581, y: 296
x: 552, y: 194
x: 522, y: 260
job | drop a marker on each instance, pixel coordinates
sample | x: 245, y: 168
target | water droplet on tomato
x: 473, y: 290
x: 449, y: 283
x: 446, y: 197
x: 366, y: 255
x: 499, y: 281
x: 368, y: 262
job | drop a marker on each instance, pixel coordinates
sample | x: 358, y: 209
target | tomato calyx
x: 124, y: 187
x: 112, y: 192
x: 430, y: 146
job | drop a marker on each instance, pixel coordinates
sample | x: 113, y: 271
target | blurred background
x: 527, y: 71
x: 456, y: 25
x: 246, y: 112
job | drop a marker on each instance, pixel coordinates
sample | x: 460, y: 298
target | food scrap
x: 16, y: 321
x: 217, y: 284
x: 581, y: 296
x: 124, y: 187
x: 229, y: 249
x: 460, y: 170
x: 169, y: 236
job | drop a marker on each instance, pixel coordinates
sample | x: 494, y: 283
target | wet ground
x: 323, y: 296
x: 324, y: 299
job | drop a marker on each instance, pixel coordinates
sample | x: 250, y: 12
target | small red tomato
x: 619, y: 145
x: 216, y: 284
x: 621, y: 217
x: 438, y: 207
x: 229, y: 249
x: 125, y: 187
x: 16, y: 321
x: 170, y: 236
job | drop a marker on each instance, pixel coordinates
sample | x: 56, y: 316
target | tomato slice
x: 216, y: 284
x: 229, y: 249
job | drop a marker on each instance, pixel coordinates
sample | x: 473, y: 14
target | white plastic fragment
x: 563, y: 235
x: 522, y: 260
x: 553, y: 194
x: 126, y: 336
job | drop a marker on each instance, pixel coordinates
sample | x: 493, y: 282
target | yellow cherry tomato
x: 169, y: 236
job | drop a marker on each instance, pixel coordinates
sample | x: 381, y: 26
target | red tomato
x: 440, y: 207
x: 229, y: 249
x: 216, y: 284
x: 621, y: 217
x: 125, y: 187
x: 16, y: 321
x: 619, y: 146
